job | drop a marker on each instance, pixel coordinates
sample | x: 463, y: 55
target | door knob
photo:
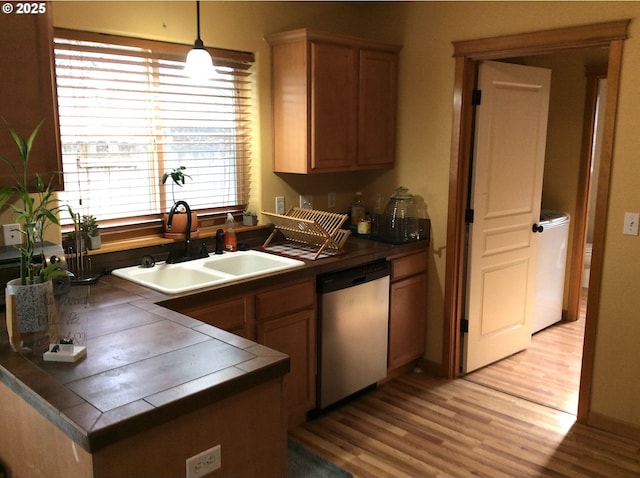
x: 537, y: 228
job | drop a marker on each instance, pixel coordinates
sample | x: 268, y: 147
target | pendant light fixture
x: 198, y: 64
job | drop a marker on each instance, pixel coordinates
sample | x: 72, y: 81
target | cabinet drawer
x: 408, y: 265
x: 231, y: 315
x: 286, y: 299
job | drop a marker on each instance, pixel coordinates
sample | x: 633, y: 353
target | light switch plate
x: 11, y: 235
x: 280, y: 205
x: 306, y: 201
x: 631, y: 220
x: 331, y: 199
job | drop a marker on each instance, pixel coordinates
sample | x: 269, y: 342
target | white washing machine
x: 550, y: 268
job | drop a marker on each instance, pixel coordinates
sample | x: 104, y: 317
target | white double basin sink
x: 206, y: 272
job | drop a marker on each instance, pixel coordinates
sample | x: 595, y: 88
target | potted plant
x: 91, y: 231
x: 35, y: 211
x: 249, y: 218
x: 179, y: 222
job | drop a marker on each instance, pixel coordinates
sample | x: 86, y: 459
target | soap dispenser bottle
x: 230, y: 241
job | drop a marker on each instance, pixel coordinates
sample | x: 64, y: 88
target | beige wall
x: 426, y: 30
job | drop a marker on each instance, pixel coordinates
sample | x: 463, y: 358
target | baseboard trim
x: 617, y: 427
x: 431, y: 367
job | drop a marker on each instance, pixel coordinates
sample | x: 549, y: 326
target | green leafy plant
x: 34, y: 212
x: 178, y: 177
x: 90, y: 225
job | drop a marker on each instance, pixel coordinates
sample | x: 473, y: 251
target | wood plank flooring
x: 421, y: 426
x: 548, y: 372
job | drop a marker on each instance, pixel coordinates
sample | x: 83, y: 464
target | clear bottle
x: 230, y: 241
x: 357, y: 209
x: 376, y: 215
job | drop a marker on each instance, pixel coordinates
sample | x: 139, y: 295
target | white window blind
x: 128, y: 113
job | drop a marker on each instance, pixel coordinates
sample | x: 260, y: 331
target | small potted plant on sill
x: 35, y: 210
x: 91, y: 231
x: 179, y: 221
x: 249, y: 218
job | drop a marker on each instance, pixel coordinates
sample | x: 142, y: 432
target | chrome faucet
x: 187, y: 241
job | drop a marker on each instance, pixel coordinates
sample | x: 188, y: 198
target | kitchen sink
x: 209, y: 271
x: 250, y: 263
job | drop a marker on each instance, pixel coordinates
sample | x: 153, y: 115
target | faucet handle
x: 170, y: 256
x: 203, y: 250
x: 219, y: 241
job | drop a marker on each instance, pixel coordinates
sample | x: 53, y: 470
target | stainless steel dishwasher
x: 353, y: 330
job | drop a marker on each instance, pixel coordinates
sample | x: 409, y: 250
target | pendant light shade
x: 198, y: 63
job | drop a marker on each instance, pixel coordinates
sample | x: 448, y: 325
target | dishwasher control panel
x: 351, y: 277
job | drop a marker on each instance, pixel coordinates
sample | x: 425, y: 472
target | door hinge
x: 476, y: 97
x: 468, y: 216
x: 464, y: 326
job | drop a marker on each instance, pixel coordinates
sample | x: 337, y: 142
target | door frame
x: 576, y: 265
x: 467, y: 55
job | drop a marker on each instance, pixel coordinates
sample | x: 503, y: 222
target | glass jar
x: 400, y: 220
x: 364, y: 226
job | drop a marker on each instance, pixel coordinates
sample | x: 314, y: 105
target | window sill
x: 119, y: 245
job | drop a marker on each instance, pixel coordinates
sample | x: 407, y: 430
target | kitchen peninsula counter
x: 149, y: 368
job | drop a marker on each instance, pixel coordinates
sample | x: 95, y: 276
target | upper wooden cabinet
x: 27, y: 93
x: 334, y: 102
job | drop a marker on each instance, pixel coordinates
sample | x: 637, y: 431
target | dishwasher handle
x: 358, y: 280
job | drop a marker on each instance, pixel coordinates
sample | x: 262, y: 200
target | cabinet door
x: 377, y: 109
x: 295, y: 335
x: 27, y: 93
x: 334, y: 98
x: 407, y: 321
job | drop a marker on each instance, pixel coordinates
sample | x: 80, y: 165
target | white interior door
x: 511, y: 127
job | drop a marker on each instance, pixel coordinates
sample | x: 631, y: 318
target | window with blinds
x: 128, y: 114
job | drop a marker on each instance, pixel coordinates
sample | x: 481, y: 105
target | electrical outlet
x: 306, y: 201
x: 280, y: 205
x: 204, y: 463
x: 331, y: 199
x: 11, y: 235
x: 631, y: 220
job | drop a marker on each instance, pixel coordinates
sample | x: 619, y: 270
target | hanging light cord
x: 199, y: 43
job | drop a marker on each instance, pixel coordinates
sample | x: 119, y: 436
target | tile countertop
x: 147, y: 364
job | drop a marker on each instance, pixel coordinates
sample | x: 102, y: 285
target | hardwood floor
x: 420, y: 426
x: 548, y: 372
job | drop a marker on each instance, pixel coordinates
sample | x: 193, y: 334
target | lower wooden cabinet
x: 286, y: 322
x: 407, y: 310
x: 295, y: 335
x: 282, y: 318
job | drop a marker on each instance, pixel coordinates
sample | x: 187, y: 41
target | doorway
x: 547, y: 371
x: 467, y: 55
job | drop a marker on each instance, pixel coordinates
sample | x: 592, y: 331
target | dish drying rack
x: 311, y: 227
